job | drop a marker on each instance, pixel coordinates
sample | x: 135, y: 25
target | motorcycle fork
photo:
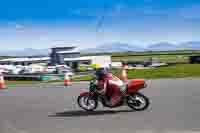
x: 91, y: 96
x: 102, y: 99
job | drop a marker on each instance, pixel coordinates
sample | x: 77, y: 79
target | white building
x: 69, y: 55
x: 104, y: 60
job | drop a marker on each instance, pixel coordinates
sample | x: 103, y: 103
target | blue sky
x: 88, y: 23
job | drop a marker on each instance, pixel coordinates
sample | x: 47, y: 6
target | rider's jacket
x: 109, y: 82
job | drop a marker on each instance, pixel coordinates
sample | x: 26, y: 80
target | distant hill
x: 110, y: 48
x: 163, y: 46
x: 25, y: 52
x: 124, y: 47
x: 193, y: 45
x: 114, y: 47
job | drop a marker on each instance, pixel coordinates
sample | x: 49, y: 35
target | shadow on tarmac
x: 85, y: 113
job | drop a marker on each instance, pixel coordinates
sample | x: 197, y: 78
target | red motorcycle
x: 133, y: 98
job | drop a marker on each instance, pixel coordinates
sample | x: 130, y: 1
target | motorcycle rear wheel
x: 87, y: 103
x: 138, y: 102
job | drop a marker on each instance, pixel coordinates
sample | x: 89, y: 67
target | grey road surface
x: 175, y: 107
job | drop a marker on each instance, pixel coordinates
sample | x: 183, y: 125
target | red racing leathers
x: 110, y: 86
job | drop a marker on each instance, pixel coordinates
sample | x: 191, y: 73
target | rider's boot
x: 123, y: 89
x: 109, y: 103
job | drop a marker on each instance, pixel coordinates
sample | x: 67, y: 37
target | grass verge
x: 178, y: 71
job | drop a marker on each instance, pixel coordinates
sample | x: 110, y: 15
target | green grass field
x: 178, y: 71
x: 179, y: 56
x: 166, y: 57
x: 161, y: 58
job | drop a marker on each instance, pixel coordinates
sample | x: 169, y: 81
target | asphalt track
x: 175, y: 107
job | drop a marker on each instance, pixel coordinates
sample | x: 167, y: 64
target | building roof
x: 76, y: 59
x: 24, y: 59
x: 68, y: 52
x: 63, y: 47
x: 83, y: 58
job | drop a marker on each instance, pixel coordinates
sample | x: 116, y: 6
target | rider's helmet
x: 101, y: 71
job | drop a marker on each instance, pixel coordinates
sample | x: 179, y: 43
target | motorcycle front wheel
x: 138, y: 102
x: 87, y: 103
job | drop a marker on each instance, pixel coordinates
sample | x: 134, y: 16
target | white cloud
x: 16, y: 26
x: 19, y: 27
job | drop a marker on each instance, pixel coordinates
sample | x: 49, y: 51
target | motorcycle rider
x: 109, y: 85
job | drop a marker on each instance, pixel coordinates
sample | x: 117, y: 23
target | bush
x: 82, y: 68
